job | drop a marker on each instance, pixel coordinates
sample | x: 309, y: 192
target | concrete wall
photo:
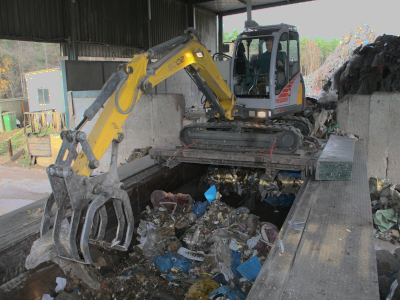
x: 50, y: 79
x: 180, y: 83
x: 7, y: 105
x: 375, y: 119
x: 206, y: 26
x: 155, y: 121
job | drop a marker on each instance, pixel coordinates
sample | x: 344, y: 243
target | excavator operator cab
x: 265, y: 71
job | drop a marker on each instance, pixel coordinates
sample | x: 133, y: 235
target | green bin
x: 9, y: 120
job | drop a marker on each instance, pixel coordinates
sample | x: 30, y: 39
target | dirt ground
x: 21, y: 186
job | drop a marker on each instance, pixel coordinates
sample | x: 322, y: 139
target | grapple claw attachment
x: 78, y: 193
x: 121, y: 201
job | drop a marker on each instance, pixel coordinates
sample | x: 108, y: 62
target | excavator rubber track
x: 242, y: 136
x: 301, y: 123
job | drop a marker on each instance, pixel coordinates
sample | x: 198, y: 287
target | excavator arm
x: 69, y: 176
x: 140, y: 76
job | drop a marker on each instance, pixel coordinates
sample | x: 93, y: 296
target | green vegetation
x: 25, y: 160
x: 313, y: 53
x: 17, y: 58
x: 17, y: 142
x: 44, y: 131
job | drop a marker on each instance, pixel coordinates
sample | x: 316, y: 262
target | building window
x: 43, y: 95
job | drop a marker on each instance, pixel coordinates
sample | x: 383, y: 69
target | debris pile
x: 363, y: 35
x: 388, y: 274
x: 323, y: 117
x: 372, y: 67
x: 137, y: 153
x: 278, y: 190
x: 208, y: 243
x: 187, y: 249
x: 385, y: 200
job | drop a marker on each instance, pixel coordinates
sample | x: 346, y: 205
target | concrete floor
x: 19, y: 187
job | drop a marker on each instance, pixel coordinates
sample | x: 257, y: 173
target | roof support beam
x: 73, y: 41
x: 255, y: 7
x: 200, y: 1
x: 146, y: 16
x: 190, y: 13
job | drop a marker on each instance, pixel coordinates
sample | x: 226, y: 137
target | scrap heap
x: 385, y: 202
x: 372, y: 67
x: 188, y: 249
x: 362, y: 36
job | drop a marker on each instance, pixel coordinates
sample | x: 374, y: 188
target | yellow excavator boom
x: 142, y: 76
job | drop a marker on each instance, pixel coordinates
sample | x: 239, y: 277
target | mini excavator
x: 250, y: 97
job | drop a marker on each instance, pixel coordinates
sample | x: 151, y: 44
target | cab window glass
x: 294, y: 61
x: 281, y: 74
x: 252, y: 67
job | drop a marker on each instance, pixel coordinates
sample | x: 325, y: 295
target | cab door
x: 288, y: 82
x: 282, y: 92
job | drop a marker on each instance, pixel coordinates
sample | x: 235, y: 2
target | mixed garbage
x: 385, y: 200
x: 372, y: 67
x: 388, y: 266
x: 363, y: 35
x: 187, y: 249
x: 323, y: 117
x: 361, y: 64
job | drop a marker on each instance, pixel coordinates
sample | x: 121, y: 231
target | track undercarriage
x: 285, y: 136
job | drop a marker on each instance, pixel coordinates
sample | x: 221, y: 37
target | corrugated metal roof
x: 107, y: 28
x: 168, y: 19
x: 34, y: 20
x: 93, y: 50
x: 111, y: 23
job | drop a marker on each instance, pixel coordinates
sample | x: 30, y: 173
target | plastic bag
x: 154, y: 245
x: 167, y: 261
x: 202, y: 289
x: 199, y: 208
x: 269, y: 233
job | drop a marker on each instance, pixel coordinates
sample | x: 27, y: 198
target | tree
x: 310, y: 56
x: 229, y: 37
x: 26, y: 57
x: 326, y: 47
x: 4, y: 80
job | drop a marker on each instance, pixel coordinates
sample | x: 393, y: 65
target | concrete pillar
x: 220, y: 33
x: 379, y: 133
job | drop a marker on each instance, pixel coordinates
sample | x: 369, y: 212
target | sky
x: 327, y: 18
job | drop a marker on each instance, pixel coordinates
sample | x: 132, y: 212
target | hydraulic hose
x: 124, y: 112
x: 108, y: 89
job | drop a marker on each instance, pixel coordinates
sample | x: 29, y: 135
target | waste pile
x: 385, y: 200
x: 372, y: 67
x: 322, y: 116
x: 315, y: 82
x: 187, y: 249
x: 388, y: 274
x: 279, y: 190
